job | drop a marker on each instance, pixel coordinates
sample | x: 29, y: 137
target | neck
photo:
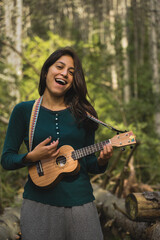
x: 53, y: 102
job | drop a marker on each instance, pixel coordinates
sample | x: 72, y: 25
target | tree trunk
x: 111, y: 48
x: 122, y: 7
x: 13, y: 32
x: 135, y: 24
x: 154, y: 61
x: 18, y: 37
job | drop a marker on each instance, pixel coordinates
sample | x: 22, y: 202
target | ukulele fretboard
x: 77, y: 154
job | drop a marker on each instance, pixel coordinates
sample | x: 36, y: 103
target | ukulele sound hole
x: 61, y: 161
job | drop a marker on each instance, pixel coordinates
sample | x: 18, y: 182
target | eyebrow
x: 64, y: 64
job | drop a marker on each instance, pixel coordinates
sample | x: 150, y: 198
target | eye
x: 71, y: 72
x: 59, y: 66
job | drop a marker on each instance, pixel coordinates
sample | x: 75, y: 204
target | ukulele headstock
x: 123, y: 139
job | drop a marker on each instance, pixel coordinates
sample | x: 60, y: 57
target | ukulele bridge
x: 39, y: 169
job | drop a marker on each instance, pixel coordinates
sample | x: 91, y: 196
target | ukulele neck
x: 83, y: 152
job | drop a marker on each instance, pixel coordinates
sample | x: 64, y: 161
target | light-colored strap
x: 97, y: 120
x: 33, y: 120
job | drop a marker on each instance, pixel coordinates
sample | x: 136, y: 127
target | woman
x: 65, y: 211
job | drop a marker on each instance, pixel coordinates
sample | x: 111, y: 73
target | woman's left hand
x: 105, y: 154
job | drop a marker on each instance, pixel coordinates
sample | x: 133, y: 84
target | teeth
x: 60, y: 81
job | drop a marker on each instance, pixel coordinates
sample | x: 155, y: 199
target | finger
x: 55, y: 153
x: 106, y: 152
x: 46, y: 141
x: 53, y: 145
x: 108, y: 149
x: 101, y: 155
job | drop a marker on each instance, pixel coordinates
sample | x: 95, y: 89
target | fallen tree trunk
x: 113, y: 214
x: 10, y: 223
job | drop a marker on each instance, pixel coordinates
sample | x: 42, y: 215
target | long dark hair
x: 76, y: 97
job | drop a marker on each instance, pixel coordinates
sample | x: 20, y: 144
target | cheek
x: 71, y: 80
x: 52, y: 72
x: 49, y: 81
x: 49, y: 76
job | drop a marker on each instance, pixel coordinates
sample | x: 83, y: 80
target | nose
x: 64, y: 73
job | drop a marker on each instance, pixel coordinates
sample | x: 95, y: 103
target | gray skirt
x: 44, y: 222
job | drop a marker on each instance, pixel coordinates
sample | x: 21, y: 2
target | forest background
x: 118, y: 42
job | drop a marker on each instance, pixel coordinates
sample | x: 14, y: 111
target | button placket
x: 57, y: 126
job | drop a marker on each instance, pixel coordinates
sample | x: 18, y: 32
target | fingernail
x: 49, y: 137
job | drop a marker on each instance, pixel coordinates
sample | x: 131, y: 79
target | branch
x: 120, y: 181
x: 21, y: 55
x: 108, y: 174
x: 120, y: 210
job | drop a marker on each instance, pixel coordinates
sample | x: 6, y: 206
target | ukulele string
x: 86, y: 150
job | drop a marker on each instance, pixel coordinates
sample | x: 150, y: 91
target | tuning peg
x: 123, y: 149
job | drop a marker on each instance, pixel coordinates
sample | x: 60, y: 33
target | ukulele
x: 48, y: 172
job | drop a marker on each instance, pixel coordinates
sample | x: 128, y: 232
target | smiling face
x: 59, y: 78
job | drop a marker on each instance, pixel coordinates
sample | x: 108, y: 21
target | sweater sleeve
x: 10, y: 159
x: 91, y: 160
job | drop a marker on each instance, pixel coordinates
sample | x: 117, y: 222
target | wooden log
x: 143, y: 206
x: 113, y: 209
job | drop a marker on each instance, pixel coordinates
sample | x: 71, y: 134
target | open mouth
x: 60, y: 81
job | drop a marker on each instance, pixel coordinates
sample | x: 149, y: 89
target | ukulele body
x: 48, y: 172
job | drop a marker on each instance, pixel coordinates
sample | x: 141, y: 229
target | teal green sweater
x: 71, y: 190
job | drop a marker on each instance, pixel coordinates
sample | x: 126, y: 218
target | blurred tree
x: 13, y: 36
x: 153, y: 38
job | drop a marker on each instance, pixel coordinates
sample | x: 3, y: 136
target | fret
x: 77, y: 154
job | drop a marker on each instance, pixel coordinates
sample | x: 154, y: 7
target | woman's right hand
x: 43, y: 151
